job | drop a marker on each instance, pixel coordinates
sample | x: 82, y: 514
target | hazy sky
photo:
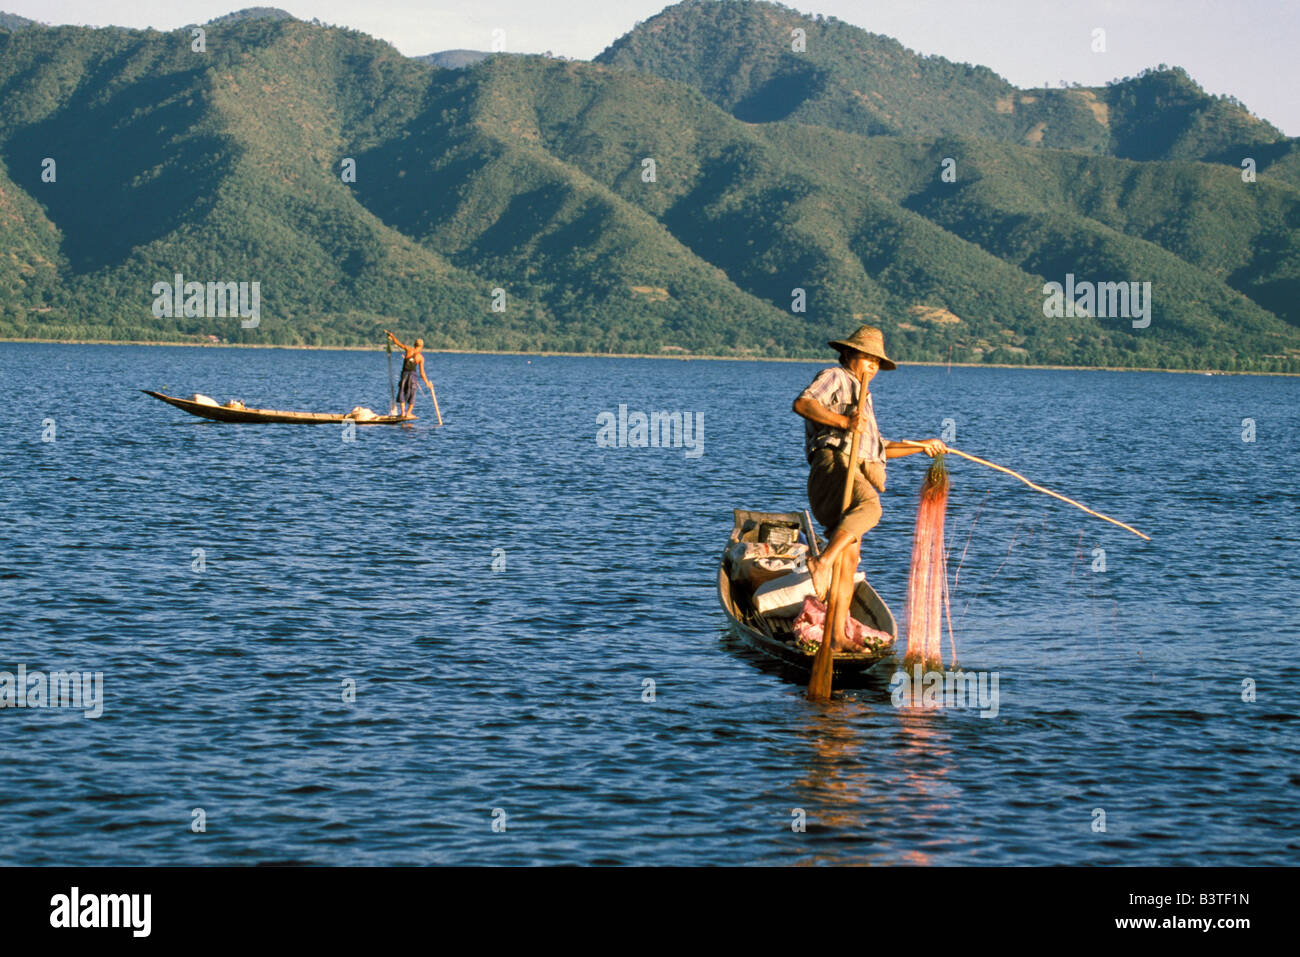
x: 1249, y: 48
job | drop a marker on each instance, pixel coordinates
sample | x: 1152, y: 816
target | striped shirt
x: 837, y: 389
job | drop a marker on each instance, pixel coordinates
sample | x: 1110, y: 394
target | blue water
x: 517, y: 695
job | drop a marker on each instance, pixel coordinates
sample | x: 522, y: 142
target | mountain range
x: 731, y: 178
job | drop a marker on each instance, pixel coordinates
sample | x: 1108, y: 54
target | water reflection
x: 871, y: 769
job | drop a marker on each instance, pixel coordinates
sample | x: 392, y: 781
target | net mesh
x: 927, y: 582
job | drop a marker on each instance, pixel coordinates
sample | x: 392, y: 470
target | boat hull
x: 868, y: 607
x: 221, y: 413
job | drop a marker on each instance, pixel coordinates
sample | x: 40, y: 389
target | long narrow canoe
x: 772, y: 636
x: 226, y: 413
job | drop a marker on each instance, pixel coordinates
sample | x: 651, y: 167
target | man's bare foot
x: 844, y: 643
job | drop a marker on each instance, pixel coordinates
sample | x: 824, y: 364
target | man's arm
x: 423, y: 376
x: 397, y: 343
x: 814, y: 411
x: 931, y: 447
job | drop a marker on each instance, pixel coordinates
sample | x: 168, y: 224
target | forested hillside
x: 700, y: 188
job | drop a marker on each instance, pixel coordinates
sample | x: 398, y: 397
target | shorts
x: 826, y: 477
x: 407, y: 388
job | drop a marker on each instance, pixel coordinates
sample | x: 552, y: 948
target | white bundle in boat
x: 202, y: 399
x: 783, y: 597
x: 756, y: 563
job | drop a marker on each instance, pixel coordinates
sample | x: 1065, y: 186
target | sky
x: 1247, y: 48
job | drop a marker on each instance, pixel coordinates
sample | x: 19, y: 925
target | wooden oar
x: 1035, y: 487
x: 838, y: 604
x: 435, y: 405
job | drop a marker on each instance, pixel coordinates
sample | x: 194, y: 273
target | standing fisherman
x: 407, y: 387
x: 826, y: 407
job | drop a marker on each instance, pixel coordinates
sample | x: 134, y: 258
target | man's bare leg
x: 848, y: 570
x: 822, y: 567
x: 848, y: 566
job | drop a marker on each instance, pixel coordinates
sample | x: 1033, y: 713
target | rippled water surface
x: 518, y: 694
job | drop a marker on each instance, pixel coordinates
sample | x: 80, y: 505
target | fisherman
x: 412, y: 362
x: 827, y: 409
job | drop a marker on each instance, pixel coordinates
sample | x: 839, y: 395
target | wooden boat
x: 772, y: 636
x: 239, y: 413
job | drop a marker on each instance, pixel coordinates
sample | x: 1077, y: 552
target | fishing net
x: 927, y: 583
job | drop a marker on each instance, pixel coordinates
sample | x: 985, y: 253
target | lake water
x: 502, y: 589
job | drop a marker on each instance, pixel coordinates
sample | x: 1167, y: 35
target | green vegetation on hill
x: 11, y: 21
x: 528, y: 175
x: 740, y: 54
x: 253, y: 13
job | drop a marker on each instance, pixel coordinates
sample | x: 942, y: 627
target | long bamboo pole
x: 392, y: 390
x: 1036, y: 487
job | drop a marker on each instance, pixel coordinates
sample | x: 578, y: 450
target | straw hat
x: 868, y: 340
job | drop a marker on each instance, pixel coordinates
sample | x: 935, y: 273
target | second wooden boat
x: 235, y: 412
x: 772, y: 636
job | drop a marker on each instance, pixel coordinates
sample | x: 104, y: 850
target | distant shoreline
x: 633, y: 355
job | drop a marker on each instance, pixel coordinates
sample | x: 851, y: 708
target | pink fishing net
x: 927, y: 583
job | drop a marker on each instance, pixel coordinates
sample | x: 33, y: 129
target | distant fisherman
x: 412, y: 362
x: 826, y: 407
